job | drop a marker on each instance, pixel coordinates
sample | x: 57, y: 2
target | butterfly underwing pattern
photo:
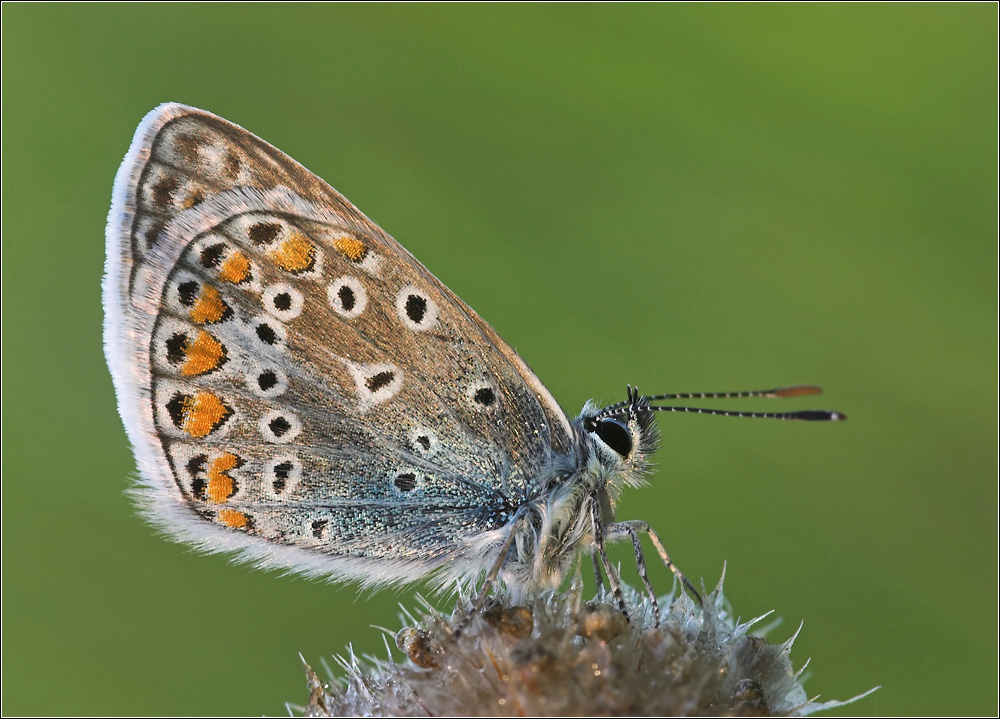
x: 299, y: 390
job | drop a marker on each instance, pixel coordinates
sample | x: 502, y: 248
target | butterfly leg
x: 614, y: 531
x: 599, y: 551
x: 598, y: 577
x: 491, y: 576
x: 634, y: 526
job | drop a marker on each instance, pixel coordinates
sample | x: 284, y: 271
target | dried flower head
x: 561, y: 655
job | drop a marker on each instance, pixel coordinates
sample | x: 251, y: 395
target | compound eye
x: 616, y: 435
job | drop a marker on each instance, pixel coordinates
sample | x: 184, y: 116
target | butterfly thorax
x: 579, y: 497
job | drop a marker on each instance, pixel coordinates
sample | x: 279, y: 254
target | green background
x: 683, y: 197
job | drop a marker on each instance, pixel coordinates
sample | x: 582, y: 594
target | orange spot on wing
x: 220, y: 489
x: 220, y: 485
x: 202, y: 355
x: 204, y: 413
x: 295, y: 254
x: 236, y: 269
x: 232, y: 518
x: 351, y: 248
x: 209, y: 307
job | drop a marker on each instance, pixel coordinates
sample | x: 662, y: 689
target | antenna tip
x: 799, y: 390
x: 817, y: 415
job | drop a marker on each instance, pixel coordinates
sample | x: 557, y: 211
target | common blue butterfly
x: 301, y: 391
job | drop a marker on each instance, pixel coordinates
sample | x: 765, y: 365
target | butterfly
x: 300, y: 391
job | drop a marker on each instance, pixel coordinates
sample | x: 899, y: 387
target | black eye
x: 615, y: 434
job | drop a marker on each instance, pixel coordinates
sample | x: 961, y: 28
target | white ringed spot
x: 424, y: 441
x: 267, y: 381
x: 415, y: 309
x: 375, y: 383
x: 281, y: 475
x: 283, y: 301
x: 347, y: 296
x: 280, y: 426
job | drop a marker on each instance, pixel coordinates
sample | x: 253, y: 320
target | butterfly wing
x: 296, y: 386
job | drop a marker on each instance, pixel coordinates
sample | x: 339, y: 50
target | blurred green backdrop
x: 684, y: 197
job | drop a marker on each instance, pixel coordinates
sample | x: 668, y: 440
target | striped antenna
x: 637, y: 402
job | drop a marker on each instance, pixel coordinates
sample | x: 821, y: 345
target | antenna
x: 641, y: 403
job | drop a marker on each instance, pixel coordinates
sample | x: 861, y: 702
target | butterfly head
x: 622, y: 436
